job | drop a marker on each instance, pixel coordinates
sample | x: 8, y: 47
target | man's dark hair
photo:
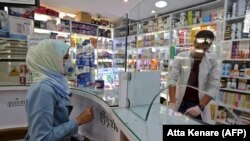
x: 205, y: 34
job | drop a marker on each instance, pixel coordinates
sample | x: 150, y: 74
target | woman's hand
x: 86, y: 116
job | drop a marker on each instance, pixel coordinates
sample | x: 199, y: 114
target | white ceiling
x: 114, y: 9
x: 143, y: 9
x: 111, y: 9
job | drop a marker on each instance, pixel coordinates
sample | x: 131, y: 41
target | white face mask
x: 199, y: 50
x: 68, y: 67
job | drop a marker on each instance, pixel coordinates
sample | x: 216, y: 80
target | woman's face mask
x: 69, y: 68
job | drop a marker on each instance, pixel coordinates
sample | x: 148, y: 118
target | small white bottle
x: 236, y: 70
x: 228, y: 84
x: 233, y: 84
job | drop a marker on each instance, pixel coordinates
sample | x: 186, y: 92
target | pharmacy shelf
x: 105, y: 60
x: 13, y: 59
x: 235, y: 77
x: 183, y: 45
x: 119, y: 60
x: 107, y: 38
x: 233, y: 107
x: 242, y: 60
x: 13, y: 53
x: 123, y: 38
x: 159, y: 47
x: 12, y: 39
x: 235, y: 19
x: 83, y: 35
x: 235, y: 40
x: 13, y: 48
x: 235, y: 90
x: 156, y: 32
x: 104, y: 27
x: 48, y: 31
x: 108, y: 50
x: 195, y: 25
x: 222, y: 122
x: 45, y: 17
x: 124, y: 26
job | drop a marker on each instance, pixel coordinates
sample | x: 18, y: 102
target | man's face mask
x: 204, y: 41
x: 201, y: 46
x: 69, y: 68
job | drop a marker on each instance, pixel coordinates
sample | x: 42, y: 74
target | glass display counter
x: 145, y: 122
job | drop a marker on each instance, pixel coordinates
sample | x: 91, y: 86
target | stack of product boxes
x: 240, y: 7
x: 234, y: 73
x: 235, y: 30
x: 238, y: 102
x: 236, y: 50
x: 235, y: 100
x: 25, y: 76
x: 85, y: 64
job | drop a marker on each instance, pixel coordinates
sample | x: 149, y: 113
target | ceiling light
x: 161, y: 4
x: 125, y: 0
x: 152, y: 11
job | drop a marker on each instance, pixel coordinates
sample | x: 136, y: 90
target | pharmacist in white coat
x: 197, y: 68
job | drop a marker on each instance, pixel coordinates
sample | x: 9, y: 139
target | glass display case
x: 13, y: 70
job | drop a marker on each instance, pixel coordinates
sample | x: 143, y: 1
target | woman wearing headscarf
x: 47, y: 103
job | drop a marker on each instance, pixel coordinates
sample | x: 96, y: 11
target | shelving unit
x: 41, y: 30
x: 235, y: 77
x: 235, y: 90
x: 222, y: 122
x: 238, y: 18
x: 234, y: 60
x: 233, y: 107
x: 195, y: 25
x: 235, y: 40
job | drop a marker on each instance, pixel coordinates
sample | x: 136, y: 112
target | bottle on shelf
x: 228, y: 83
x: 235, y: 72
x: 242, y: 84
x: 242, y: 69
x: 233, y: 84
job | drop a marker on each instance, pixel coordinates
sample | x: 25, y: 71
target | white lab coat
x: 208, y: 77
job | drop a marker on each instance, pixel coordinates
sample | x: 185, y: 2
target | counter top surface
x: 151, y: 129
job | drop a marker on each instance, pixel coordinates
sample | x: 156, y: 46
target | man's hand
x: 193, y: 111
x: 172, y: 106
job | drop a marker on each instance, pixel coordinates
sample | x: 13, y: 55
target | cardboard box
x: 83, y: 17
